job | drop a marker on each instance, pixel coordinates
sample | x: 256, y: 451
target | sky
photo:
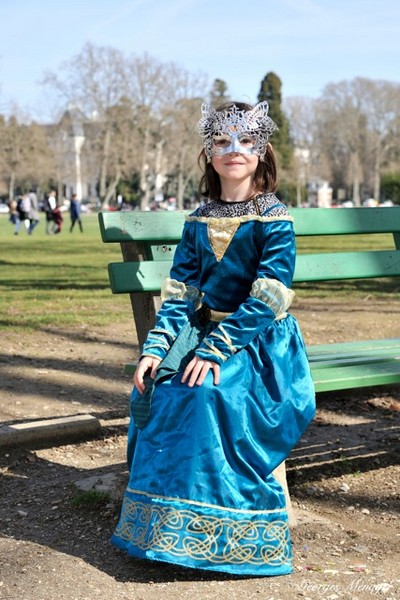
x: 307, y: 43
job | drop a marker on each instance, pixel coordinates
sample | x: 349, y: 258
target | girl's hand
x: 197, y: 370
x: 146, y: 363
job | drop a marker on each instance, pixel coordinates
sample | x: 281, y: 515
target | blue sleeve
x: 180, y: 297
x: 269, y: 297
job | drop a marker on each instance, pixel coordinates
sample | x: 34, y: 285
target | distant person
x: 58, y: 219
x: 24, y: 209
x: 33, y: 212
x: 50, y: 206
x: 75, y: 213
x: 14, y: 216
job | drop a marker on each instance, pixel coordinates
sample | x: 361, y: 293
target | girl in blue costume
x: 223, y: 389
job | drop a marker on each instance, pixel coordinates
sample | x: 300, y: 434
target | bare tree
x: 380, y: 103
x: 357, y: 124
x: 182, y: 143
x: 25, y: 157
x: 137, y: 112
x: 301, y: 113
x: 148, y: 83
x: 95, y: 81
x: 343, y: 133
x: 168, y: 99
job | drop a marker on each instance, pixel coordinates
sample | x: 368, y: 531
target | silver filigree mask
x: 235, y: 130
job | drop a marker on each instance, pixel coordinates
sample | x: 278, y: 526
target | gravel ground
x: 343, y: 478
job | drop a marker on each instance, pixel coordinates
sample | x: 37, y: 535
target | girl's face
x: 235, y: 166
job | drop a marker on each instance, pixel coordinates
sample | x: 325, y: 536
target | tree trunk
x: 180, y: 191
x: 104, y: 165
x: 377, y: 175
x: 143, y: 182
x: 298, y: 193
x: 60, y: 193
x: 182, y: 180
x: 356, y: 179
x: 356, y: 192
x: 111, y: 190
x: 145, y: 199
x: 11, y: 186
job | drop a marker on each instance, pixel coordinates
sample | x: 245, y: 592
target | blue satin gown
x: 201, y: 492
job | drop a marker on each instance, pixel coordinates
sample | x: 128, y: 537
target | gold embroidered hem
x: 204, y: 536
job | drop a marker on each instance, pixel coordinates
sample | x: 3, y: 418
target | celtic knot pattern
x: 184, y: 532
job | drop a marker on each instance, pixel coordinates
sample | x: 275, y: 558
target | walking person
x: 223, y: 388
x: 24, y: 209
x: 33, y: 212
x: 75, y: 213
x: 50, y: 207
x: 58, y: 220
x: 14, y: 216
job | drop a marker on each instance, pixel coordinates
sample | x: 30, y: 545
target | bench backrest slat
x: 345, y: 221
x: 347, y: 265
x: 131, y: 277
x: 166, y: 227
x: 147, y: 276
x: 125, y: 226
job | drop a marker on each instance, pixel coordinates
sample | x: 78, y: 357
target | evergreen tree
x: 270, y: 91
x: 219, y: 93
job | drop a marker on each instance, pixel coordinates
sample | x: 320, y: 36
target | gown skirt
x: 201, y: 491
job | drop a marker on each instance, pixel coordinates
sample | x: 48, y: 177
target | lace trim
x: 172, y: 289
x: 274, y: 293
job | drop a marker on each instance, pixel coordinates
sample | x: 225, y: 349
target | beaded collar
x: 264, y: 203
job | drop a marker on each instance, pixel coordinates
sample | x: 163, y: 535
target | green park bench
x: 148, y: 241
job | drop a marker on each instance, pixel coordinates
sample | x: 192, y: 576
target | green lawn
x: 62, y: 280
x: 57, y: 280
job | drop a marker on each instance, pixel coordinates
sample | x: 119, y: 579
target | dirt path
x: 343, y: 477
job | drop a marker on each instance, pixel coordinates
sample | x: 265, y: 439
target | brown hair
x: 265, y: 176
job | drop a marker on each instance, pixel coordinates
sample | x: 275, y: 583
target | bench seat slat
x: 345, y: 361
x: 145, y: 276
x: 357, y: 347
x: 357, y: 376
x: 346, y: 351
